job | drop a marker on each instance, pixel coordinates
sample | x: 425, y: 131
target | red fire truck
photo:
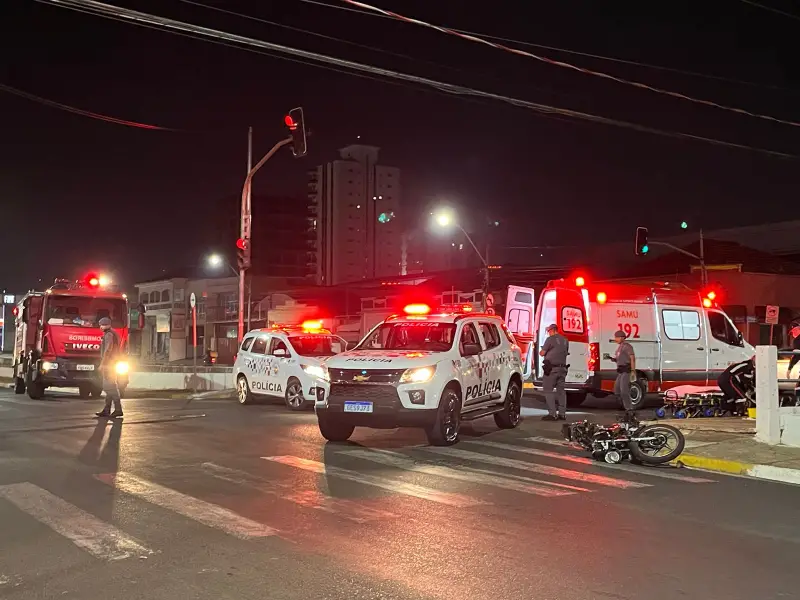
x: 57, y: 341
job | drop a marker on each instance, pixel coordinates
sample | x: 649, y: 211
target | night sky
x: 82, y: 194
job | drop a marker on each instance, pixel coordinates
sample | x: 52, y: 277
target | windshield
x: 434, y: 337
x: 316, y: 345
x: 85, y: 311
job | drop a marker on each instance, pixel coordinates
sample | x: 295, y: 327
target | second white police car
x: 285, y: 362
x: 424, y: 370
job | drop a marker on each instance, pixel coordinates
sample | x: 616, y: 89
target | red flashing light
x: 455, y: 308
x: 290, y: 122
x: 711, y: 295
x: 417, y: 309
x: 240, y: 244
x: 707, y: 303
x: 580, y: 281
x: 15, y: 311
x: 602, y: 297
x: 312, y: 325
x: 593, y: 360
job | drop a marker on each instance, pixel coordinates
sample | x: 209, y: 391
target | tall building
x: 354, y: 204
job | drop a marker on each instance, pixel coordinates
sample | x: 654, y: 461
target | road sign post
x: 773, y: 313
x: 193, y: 304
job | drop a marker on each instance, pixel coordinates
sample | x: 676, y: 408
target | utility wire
x: 771, y: 9
x: 79, y: 111
x: 565, y: 65
x: 174, y: 26
x: 568, y: 51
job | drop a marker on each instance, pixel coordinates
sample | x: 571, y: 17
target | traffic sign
x: 772, y: 314
x: 192, y: 300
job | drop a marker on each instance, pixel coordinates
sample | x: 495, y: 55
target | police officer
x: 626, y: 369
x: 110, y: 350
x: 554, y: 351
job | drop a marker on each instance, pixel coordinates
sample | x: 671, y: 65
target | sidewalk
x: 728, y: 445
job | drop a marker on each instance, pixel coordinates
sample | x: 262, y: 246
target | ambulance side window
x: 260, y: 345
x: 681, y: 324
x: 247, y: 343
x: 722, y: 329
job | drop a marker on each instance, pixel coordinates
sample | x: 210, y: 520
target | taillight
x: 593, y: 363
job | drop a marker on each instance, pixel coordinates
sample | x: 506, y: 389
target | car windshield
x: 316, y: 345
x: 423, y: 335
x: 85, y: 311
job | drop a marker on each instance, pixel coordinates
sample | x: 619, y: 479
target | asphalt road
x: 213, y: 500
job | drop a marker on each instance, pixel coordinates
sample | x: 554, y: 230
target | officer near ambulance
x: 625, y: 358
x: 554, y: 367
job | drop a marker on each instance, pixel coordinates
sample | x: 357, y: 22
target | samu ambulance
x: 680, y: 336
x: 425, y: 370
x: 285, y: 362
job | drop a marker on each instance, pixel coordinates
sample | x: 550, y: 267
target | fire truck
x: 58, y: 335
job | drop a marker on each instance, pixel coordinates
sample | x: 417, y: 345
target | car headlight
x: 49, y: 366
x: 317, y: 371
x: 122, y: 368
x: 418, y: 375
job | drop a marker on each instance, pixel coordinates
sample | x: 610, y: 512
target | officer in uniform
x: 626, y: 369
x: 554, y: 351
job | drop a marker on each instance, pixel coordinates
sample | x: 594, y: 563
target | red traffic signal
x: 243, y: 253
x: 296, y: 125
x: 240, y: 244
x: 290, y: 122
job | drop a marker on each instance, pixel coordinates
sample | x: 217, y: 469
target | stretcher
x: 689, y: 401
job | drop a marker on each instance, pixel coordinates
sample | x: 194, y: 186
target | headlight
x: 317, y: 371
x: 418, y: 375
x: 122, y: 368
x: 49, y: 366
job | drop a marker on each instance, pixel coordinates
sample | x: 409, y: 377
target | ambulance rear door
x: 566, y: 307
x: 520, y: 308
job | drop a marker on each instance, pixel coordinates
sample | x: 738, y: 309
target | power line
x: 79, y: 111
x: 611, y: 59
x: 174, y: 26
x: 565, y: 65
x: 771, y: 9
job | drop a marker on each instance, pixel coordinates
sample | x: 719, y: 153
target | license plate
x: 85, y: 367
x: 357, y: 407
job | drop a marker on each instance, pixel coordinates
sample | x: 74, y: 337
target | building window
x: 165, y: 296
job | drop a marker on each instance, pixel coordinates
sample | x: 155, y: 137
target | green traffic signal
x: 645, y: 249
x: 684, y: 225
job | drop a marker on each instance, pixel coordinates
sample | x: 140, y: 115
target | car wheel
x: 510, y: 416
x: 243, y: 393
x: 444, y: 432
x: 35, y: 390
x: 333, y: 430
x: 638, y: 394
x: 294, y: 395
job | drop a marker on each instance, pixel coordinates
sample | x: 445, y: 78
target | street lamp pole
x: 246, y: 231
x: 485, y: 263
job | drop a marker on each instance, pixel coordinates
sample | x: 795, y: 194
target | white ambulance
x: 285, y: 362
x: 680, y: 336
x: 425, y: 370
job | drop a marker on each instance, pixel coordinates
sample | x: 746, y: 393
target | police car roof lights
x: 311, y: 325
x: 417, y: 309
x: 455, y: 308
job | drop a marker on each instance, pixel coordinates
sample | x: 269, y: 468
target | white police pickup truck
x: 424, y: 370
x: 285, y: 362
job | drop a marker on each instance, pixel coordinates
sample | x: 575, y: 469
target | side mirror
x: 471, y: 350
x: 281, y: 353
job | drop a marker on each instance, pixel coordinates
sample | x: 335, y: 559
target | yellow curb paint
x: 527, y: 386
x: 714, y: 464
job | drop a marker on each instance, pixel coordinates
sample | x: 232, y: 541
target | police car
x: 285, y: 362
x: 425, y: 370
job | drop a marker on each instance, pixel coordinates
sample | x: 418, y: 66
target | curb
x: 733, y: 467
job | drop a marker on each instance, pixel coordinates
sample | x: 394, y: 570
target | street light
x: 215, y: 261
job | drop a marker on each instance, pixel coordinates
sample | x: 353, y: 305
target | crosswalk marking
x: 84, y: 530
x: 341, y: 507
x: 206, y: 513
x: 399, y: 487
x: 535, y: 451
x: 648, y: 471
x: 501, y: 461
x: 400, y: 461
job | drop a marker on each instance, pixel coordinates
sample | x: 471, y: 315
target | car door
x: 256, y: 364
x: 472, y: 365
x: 494, y: 382
x: 278, y: 372
x: 684, y: 354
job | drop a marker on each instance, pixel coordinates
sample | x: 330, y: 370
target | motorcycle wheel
x: 667, y: 432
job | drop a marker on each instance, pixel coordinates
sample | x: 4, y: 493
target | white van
x: 680, y: 337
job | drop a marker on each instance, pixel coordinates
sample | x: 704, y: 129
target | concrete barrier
x: 774, y: 425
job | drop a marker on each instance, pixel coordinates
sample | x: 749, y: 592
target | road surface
x: 214, y: 500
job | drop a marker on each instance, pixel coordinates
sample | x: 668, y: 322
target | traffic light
x: 641, y: 241
x: 243, y: 253
x: 297, y: 128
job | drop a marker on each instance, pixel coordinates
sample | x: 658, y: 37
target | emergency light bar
x: 417, y: 309
x: 456, y: 308
x: 311, y: 325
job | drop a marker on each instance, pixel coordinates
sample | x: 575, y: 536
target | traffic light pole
x: 247, y: 225
x: 701, y: 258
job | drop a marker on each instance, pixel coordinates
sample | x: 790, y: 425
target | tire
x: 575, y: 399
x: 19, y: 385
x: 444, y: 432
x: 333, y: 430
x: 35, y: 390
x: 638, y: 394
x: 243, y: 393
x: 640, y: 455
x: 294, y: 395
x: 510, y: 416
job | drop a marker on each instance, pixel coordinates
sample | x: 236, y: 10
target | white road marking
x: 399, y: 487
x: 392, y: 459
x: 537, y: 468
x: 353, y: 511
x: 84, y: 530
x: 535, y: 451
x: 203, y: 512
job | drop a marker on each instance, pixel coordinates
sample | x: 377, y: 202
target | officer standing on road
x: 110, y: 349
x: 554, y: 351
x: 626, y: 369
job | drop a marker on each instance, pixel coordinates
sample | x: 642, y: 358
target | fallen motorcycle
x: 654, y: 444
